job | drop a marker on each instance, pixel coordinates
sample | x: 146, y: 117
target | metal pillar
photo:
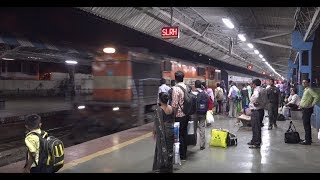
x: 299, y: 44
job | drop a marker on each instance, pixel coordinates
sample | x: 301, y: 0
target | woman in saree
x: 164, y: 135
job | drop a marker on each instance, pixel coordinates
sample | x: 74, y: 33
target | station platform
x: 132, y: 151
x: 20, y: 107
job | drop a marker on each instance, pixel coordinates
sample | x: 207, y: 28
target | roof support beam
x: 315, y: 15
x: 279, y: 64
x: 275, y: 35
x: 271, y: 43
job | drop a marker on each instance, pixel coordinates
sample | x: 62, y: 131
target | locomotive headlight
x: 115, y: 109
x: 81, y: 107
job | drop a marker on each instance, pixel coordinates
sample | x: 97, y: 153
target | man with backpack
x: 219, y: 95
x: 202, y: 104
x: 233, y: 100
x: 183, y: 103
x: 45, y: 154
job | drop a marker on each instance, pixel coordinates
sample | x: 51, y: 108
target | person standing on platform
x: 244, y: 98
x: 219, y: 96
x: 308, y: 100
x: 164, y: 135
x: 273, y: 95
x: 256, y: 113
x: 177, y: 104
x: 163, y: 88
x: 233, y: 100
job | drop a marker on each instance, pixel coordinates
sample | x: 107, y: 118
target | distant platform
x: 20, y: 107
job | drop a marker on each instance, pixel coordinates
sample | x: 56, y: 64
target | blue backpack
x: 202, y: 103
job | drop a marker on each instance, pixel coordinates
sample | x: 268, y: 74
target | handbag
x: 291, y: 136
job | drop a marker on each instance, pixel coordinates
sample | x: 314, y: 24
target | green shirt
x: 309, y: 98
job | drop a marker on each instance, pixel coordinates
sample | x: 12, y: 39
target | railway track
x: 13, y: 149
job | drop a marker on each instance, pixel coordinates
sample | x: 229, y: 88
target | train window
x: 201, y: 71
x: 167, y: 66
x: 14, y: 66
x: 218, y: 75
x: 305, y: 58
x: 3, y: 66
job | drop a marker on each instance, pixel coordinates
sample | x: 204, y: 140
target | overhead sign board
x: 170, y: 32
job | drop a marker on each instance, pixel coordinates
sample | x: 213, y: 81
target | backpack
x: 281, y: 117
x: 189, y: 102
x: 232, y: 139
x: 202, y: 103
x: 263, y: 98
x: 51, y: 153
x: 220, y: 94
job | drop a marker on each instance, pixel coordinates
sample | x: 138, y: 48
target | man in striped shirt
x: 177, y: 104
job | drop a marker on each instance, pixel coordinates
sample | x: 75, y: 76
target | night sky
x: 85, y: 31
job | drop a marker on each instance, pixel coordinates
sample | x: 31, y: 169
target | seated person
x: 292, y: 103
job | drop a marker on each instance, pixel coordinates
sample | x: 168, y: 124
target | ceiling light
x: 260, y: 55
x: 109, y: 50
x: 8, y: 59
x: 263, y: 59
x: 250, y: 45
x: 71, y: 62
x: 228, y: 23
x: 256, y: 51
x: 241, y: 37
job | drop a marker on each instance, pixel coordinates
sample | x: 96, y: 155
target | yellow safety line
x: 103, y: 152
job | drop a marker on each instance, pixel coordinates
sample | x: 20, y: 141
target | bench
x: 296, y: 115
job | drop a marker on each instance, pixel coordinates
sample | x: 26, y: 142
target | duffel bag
x: 291, y: 136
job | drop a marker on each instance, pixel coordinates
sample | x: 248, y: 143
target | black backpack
x: 202, y: 103
x: 51, y: 153
x: 232, y: 139
x: 189, y: 102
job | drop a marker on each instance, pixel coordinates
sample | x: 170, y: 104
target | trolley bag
x: 291, y: 136
x: 219, y: 137
x: 192, y: 133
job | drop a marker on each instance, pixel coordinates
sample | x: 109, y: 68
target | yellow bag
x: 219, y: 137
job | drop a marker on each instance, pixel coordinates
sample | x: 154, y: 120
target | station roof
x: 268, y: 29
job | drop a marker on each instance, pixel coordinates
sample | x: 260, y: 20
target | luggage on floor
x: 281, y: 117
x: 176, y: 131
x: 176, y: 159
x: 192, y: 133
x: 219, y: 137
x: 291, y: 136
x: 232, y: 139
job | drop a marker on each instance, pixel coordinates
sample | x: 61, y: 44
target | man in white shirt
x: 163, y: 88
x: 256, y: 113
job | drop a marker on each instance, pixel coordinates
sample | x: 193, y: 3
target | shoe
x: 254, y: 147
x: 250, y: 143
x: 202, y: 148
x: 270, y: 127
x: 183, y: 159
x: 305, y: 142
x: 275, y: 125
